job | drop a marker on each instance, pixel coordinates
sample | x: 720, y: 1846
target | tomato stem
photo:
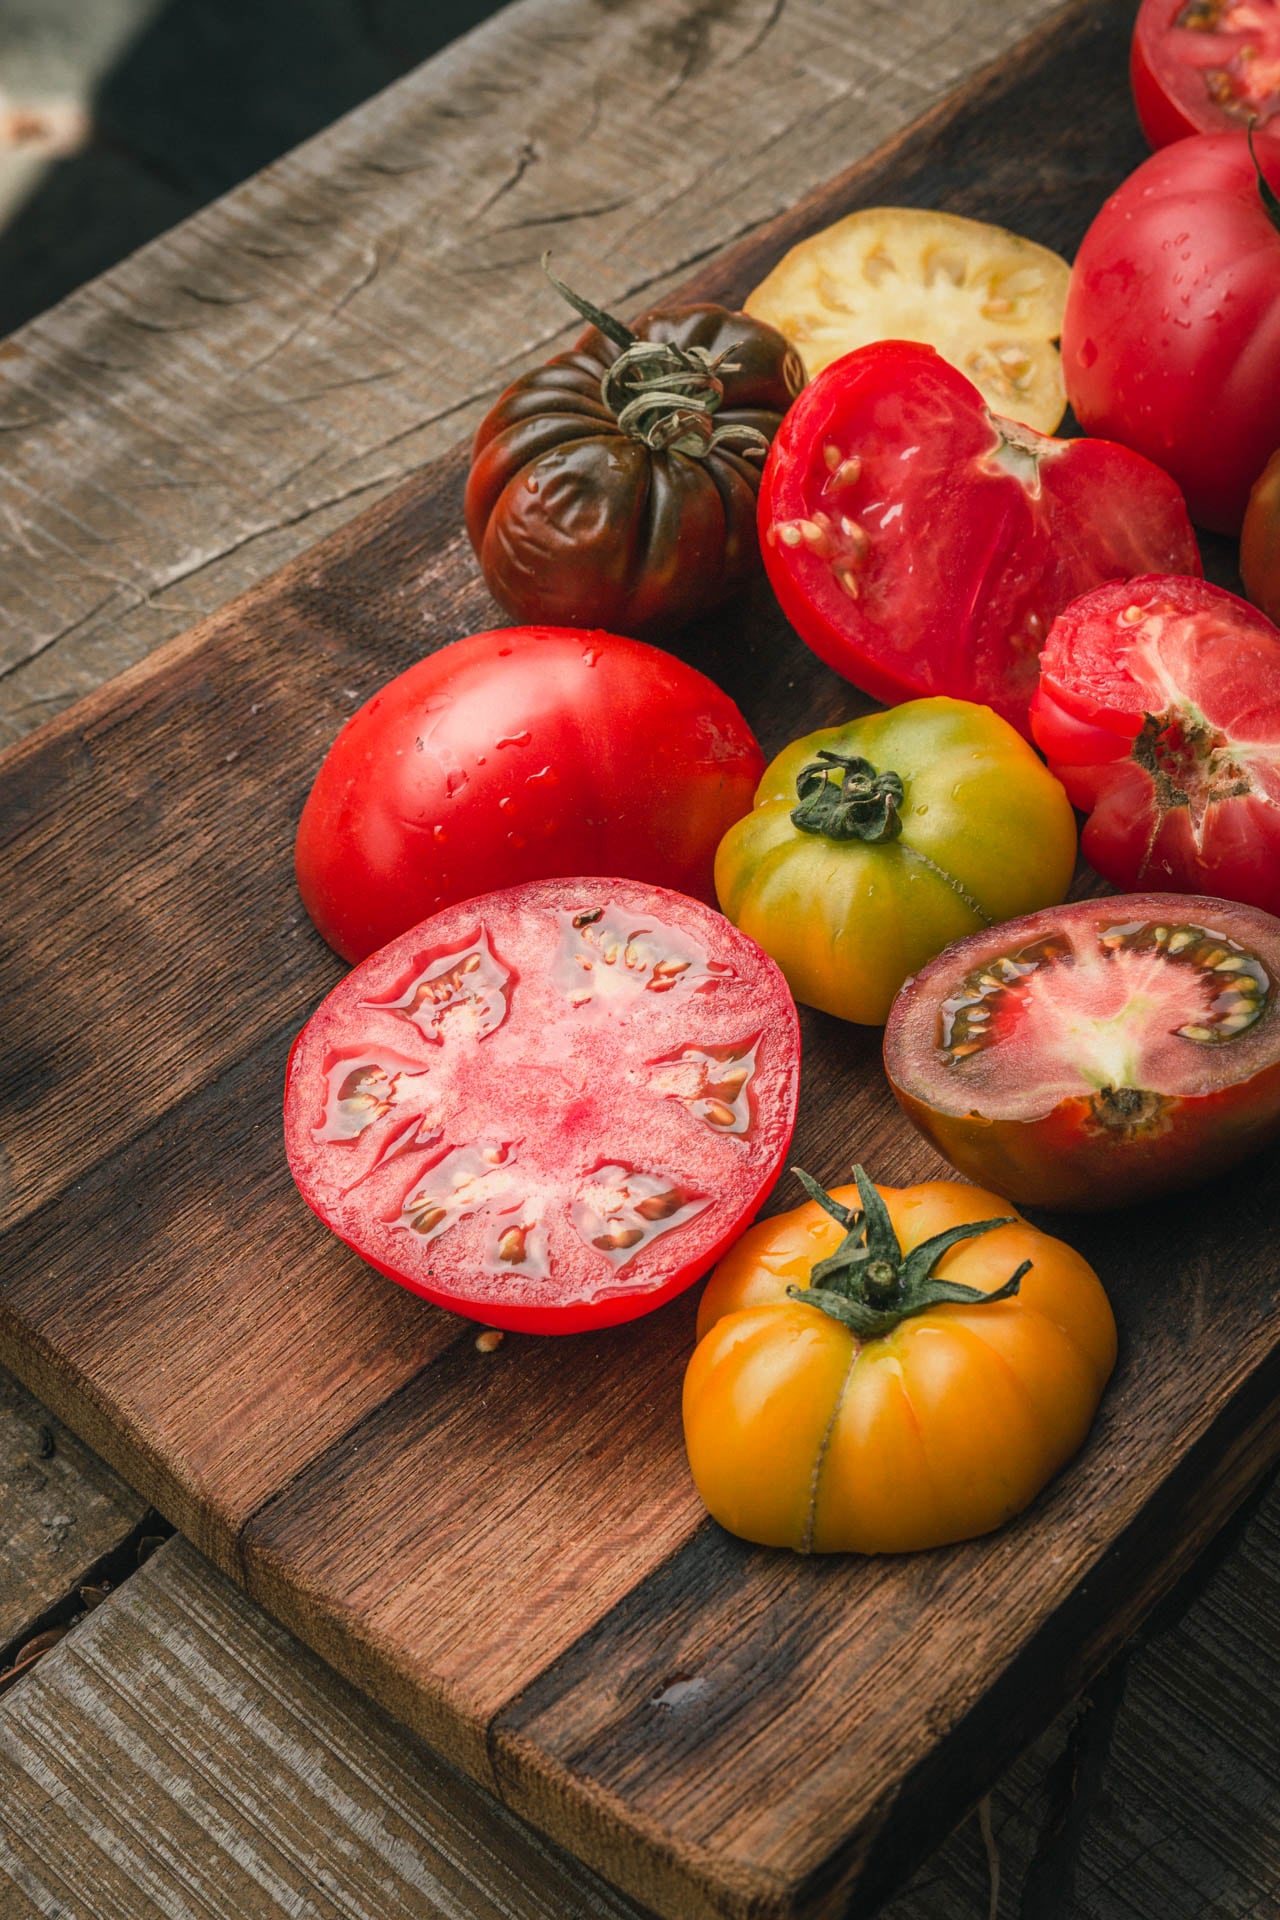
x: 1267, y: 193
x: 869, y: 1285
x: 843, y: 797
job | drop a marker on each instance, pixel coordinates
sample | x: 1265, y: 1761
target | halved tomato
x: 1159, y: 710
x: 1202, y: 66
x: 989, y: 301
x: 549, y: 1108
x: 1099, y: 1053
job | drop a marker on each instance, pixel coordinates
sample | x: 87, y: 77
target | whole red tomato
x: 922, y: 545
x: 1171, y: 342
x: 1203, y: 66
x: 519, y: 755
x: 1159, y: 710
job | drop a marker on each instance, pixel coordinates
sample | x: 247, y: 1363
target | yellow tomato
x: 988, y: 300
x: 805, y: 1433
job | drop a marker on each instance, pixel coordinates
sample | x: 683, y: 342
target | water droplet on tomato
x: 590, y: 657
x: 544, y: 777
x: 456, y: 781
x: 439, y: 835
x: 517, y: 840
x: 506, y: 804
x: 520, y: 739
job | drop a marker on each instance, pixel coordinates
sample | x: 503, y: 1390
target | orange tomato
x: 804, y: 1432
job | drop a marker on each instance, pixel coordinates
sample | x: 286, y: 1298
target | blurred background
x: 120, y: 117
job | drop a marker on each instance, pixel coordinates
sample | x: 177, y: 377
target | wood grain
x: 520, y: 1571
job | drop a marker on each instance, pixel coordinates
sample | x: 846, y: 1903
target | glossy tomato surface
x: 1260, y: 541
x: 549, y: 1108
x: 578, y: 518
x: 1204, y: 66
x: 1172, y: 333
x: 1159, y: 710
x: 1096, y: 1054
x: 976, y: 830
x: 920, y: 544
x: 519, y: 755
x: 802, y: 1435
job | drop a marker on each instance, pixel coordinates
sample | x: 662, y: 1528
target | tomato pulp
x: 920, y: 544
x: 1159, y: 710
x: 1098, y: 1053
x: 550, y: 1108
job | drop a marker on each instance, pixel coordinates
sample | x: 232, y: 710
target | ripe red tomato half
x: 1159, y: 711
x: 1171, y: 340
x: 1096, y: 1054
x: 518, y: 755
x: 550, y: 1108
x: 1203, y: 66
x: 922, y: 545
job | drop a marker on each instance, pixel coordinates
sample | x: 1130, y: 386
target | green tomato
x: 873, y: 845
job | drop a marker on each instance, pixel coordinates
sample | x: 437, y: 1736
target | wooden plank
x: 178, y: 1755
x: 288, y: 1410
x: 61, y: 1512
x: 182, y: 427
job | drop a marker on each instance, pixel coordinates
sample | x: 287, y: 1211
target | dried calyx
x: 843, y: 797
x: 663, y: 394
x: 869, y: 1285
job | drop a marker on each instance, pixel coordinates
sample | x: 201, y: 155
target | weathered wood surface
x: 722, y: 1730
x: 182, y: 426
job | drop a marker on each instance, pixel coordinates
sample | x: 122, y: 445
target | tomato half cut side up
x: 1159, y: 710
x: 1096, y: 1054
x: 1204, y: 66
x: 550, y: 1108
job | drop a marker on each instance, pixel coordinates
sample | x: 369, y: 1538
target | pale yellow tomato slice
x: 989, y: 301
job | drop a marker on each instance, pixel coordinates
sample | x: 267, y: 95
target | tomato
x: 875, y: 844
x: 1202, y: 66
x: 1159, y: 710
x: 1098, y: 1053
x: 840, y: 1400
x: 550, y: 1108
x: 989, y: 301
x: 1172, y: 333
x: 518, y: 755
x: 616, y: 485
x: 919, y: 544
x: 1260, y: 541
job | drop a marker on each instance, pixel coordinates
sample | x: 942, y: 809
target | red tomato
x: 921, y: 545
x: 519, y: 755
x: 1159, y: 711
x: 1171, y: 341
x: 1203, y: 66
x: 549, y: 1108
x: 1096, y: 1054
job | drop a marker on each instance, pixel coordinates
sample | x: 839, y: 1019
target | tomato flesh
x: 921, y: 545
x: 1159, y: 710
x: 1098, y: 1053
x: 1202, y: 66
x: 549, y: 1108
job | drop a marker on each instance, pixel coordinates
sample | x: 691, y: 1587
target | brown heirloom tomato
x: 1260, y: 542
x: 616, y: 485
x: 891, y: 1368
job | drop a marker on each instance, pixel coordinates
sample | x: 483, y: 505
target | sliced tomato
x: 989, y: 301
x: 1202, y: 66
x: 1159, y: 710
x: 1099, y: 1053
x: 549, y: 1108
x: 921, y: 545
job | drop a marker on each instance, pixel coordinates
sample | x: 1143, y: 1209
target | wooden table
x: 172, y: 434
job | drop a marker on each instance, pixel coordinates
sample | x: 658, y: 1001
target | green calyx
x: 662, y: 394
x: 1266, y: 192
x: 842, y: 797
x: 869, y: 1285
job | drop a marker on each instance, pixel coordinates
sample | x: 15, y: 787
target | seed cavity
x: 712, y: 1083
x: 618, y: 1210
x: 463, y: 993
x: 607, y: 960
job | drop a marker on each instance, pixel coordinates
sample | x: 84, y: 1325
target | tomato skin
x: 952, y: 538
x: 476, y: 1066
x: 988, y: 833
x: 578, y: 523
x: 1159, y: 710
x: 1171, y: 66
x: 1175, y: 296
x: 1260, y: 542
x: 519, y: 755
x: 800, y: 1437
x: 1060, y: 1155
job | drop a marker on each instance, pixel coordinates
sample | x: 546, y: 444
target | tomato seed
x: 718, y: 1113
x: 489, y: 1341
x: 849, y: 581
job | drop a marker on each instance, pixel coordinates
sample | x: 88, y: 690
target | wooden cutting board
x: 505, y: 1549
